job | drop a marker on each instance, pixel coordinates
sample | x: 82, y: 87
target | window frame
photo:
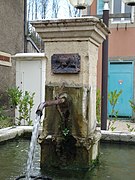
x: 122, y: 20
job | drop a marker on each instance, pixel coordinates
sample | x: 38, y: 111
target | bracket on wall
x: 125, y: 26
x: 117, y: 26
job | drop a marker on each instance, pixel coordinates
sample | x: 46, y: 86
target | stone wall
x: 12, y: 26
x: 11, y: 38
x: 73, y: 123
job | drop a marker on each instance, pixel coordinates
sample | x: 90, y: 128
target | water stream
x: 32, y: 146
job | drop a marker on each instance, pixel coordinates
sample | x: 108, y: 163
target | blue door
x: 120, y: 77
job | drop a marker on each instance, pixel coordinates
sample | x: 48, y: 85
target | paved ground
x: 121, y: 125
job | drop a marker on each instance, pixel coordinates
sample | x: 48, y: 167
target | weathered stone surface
x: 128, y: 137
x: 13, y: 132
x: 80, y: 36
x: 69, y: 152
x: 12, y: 26
x: 75, y: 35
x: 11, y: 40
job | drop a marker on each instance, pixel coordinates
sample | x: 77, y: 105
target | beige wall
x: 93, y: 8
x: 122, y: 42
x: 121, y: 46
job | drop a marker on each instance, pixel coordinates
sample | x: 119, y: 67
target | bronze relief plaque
x: 65, y: 63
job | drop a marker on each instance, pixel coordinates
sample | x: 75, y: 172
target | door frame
x: 123, y: 62
x: 31, y: 58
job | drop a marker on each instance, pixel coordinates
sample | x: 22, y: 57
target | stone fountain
x: 69, y: 138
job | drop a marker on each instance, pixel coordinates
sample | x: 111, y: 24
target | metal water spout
x: 61, y: 99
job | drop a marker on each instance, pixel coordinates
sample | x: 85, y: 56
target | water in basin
x: 117, y: 162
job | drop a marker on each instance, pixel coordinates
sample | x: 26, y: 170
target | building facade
x: 12, y: 20
x: 121, y: 54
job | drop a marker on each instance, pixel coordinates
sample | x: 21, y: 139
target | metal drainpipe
x: 104, y: 92
x: 25, y: 26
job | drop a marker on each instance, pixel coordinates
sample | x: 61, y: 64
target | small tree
x: 132, y: 105
x: 113, y: 97
x: 23, y: 103
x: 14, y: 95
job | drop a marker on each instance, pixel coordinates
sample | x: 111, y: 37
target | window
x: 119, y: 7
x: 100, y: 6
x: 116, y: 7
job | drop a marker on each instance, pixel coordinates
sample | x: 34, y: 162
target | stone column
x: 69, y: 137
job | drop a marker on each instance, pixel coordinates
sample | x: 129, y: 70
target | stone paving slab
x: 121, y: 132
x: 121, y: 125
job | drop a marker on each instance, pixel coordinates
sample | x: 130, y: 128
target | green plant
x: 112, y: 122
x: 65, y: 132
x: 2, y: 116
x: 4, y: 120
x: 98, y: 106
x: 130, y: 129
x: 132, y: 104
x: 14, y: 95
x: 24, y: 107
x: 23, y: 103
x: 113, y: 97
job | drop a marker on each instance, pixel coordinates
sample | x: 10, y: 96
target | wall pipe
x: 104, y: 93
x: 49, y: 103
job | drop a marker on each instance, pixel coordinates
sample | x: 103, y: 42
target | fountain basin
x: 116, y: 161
x: 10, y: 133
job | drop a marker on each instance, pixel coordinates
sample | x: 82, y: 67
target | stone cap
x: 29, y: 56
x: 73, y: 29
x: 119, y: 136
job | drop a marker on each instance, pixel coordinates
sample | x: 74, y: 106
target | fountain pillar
x: 69, y: 138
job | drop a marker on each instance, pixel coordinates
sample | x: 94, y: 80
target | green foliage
x: 14, y: 95
x: 98, y: 106
x: 24, y: 107
x: 65, y: 132
x: 23, y: 103
x: 112, y: 122
x: 2, y: 116
x: 4, y: 120
x: 113, y: 97
x: 130, y: 129
x: 132, y: 104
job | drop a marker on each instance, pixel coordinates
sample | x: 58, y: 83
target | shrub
x: 23, y: 103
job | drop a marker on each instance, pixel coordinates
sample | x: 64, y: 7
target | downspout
x: 25, y: 26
